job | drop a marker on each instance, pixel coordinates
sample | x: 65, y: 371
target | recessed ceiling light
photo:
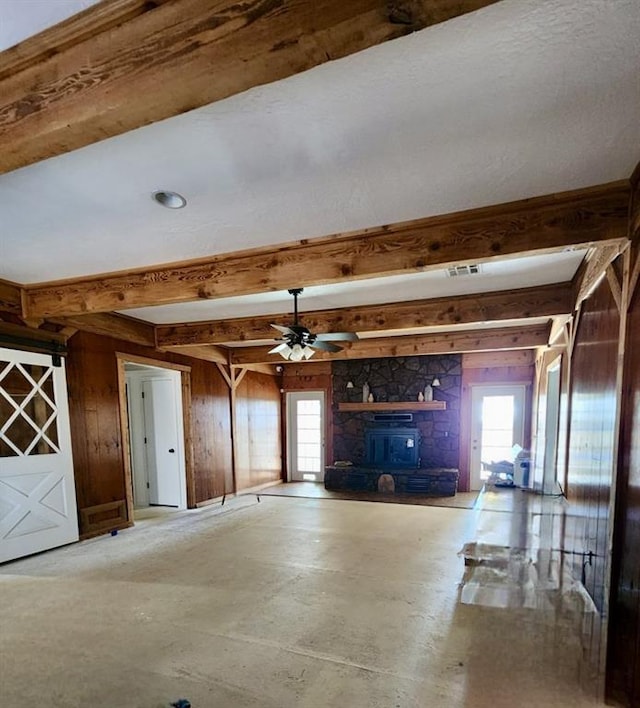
x: 171, y: 200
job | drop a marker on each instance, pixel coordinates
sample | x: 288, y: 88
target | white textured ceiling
x: 20, y: 19
x: 523, y: 98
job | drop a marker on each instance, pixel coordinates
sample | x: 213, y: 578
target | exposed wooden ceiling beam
x: 131, y: 330
x: 125, y: 64
x: 594, y: 268
x: 107, y: 325
x: 214, y: 354
x: 542, y: 225
x: 31, y: 338
x: 446, y: 343
x: 523, y: 303
x: 10, y: 297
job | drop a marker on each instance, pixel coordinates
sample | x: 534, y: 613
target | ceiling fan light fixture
x: 297, y: 353
x: 299, y: 343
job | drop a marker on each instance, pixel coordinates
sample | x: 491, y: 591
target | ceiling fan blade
x: 284, y: 330
x: 337, y: 337
x: 325, y: 346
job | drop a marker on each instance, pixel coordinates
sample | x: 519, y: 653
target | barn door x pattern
x: 37, y: 499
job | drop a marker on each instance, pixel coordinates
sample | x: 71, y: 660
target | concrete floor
x: 289, y: 602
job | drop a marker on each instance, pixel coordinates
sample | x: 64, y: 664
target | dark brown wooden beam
x: 214, y: 354
x: 10, y: 298
x: 547, y: 224
x: 32, y: 339
x: 132, y: 330
x: 108, y: 325
x: 523, y: 303
x: 442, y: 343
x: 124, y: 64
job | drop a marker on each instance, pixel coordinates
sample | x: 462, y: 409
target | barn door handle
x: 171, y: 449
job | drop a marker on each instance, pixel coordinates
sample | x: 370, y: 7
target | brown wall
x: 623, y: 661
x: 258, y: 443
x: 623, y: 682
x: 592, y: 434
x: 211, y: 431
x: 95, y: 426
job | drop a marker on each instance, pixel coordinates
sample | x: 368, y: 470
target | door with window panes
x: 306, y: 425
x: 497, y: 424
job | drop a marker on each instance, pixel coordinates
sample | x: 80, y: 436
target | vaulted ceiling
x: 354, y: 149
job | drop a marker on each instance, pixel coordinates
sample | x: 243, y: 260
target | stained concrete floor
x: 287, y: 602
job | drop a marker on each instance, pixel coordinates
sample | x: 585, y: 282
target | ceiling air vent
x: 455, y: 271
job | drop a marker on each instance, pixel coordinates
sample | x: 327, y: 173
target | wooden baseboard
x: 103, y: 518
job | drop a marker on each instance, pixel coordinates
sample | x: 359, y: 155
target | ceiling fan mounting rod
x: 295, y: 292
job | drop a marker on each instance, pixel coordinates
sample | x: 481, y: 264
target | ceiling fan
x: 299, y: 343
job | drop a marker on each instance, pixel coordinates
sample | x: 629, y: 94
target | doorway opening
x: 156, y: 453
x: 497, y: 424
x: 550, y: 481
x: 306, y: 436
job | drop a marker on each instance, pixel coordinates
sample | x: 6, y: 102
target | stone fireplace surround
x: 400, y: 379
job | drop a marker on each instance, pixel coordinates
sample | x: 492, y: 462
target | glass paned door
x: 497, y: 424
x: 306, y: 436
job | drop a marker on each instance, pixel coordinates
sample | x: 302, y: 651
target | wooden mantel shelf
x: 395, y: 406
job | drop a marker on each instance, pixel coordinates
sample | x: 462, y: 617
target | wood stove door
x: 305, y: 436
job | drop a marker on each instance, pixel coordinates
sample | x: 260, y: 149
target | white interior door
x: 306, y: 421
x: 37, y: 493
x: 497, y: 424
x: 164, y: 449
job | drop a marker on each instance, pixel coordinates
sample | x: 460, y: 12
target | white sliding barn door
x: 37, y: 494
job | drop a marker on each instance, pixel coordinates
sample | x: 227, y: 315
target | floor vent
x: 455, y: 271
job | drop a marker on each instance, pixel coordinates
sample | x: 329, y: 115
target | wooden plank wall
x: 623, y: 660
x: 515, y: 367
x: 623, y: 680
x: 211, y: 431
x: 258, y: 438
x: 95, y: 427
x: 591, y: 452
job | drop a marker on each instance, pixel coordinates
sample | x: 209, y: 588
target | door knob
x: 171, y: 449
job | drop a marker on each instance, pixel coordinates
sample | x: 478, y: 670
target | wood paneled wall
x: 258, y: 442
x: 592, y: 439
x: 211, y: 431
x: 95, y: 427
x: 623, y: 660
x: 623, y: 680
